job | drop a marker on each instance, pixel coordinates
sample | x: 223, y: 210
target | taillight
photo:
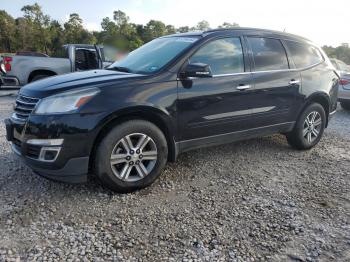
x: 344, y: 82
x: 7, y: 59
x: 8, y: 67
x: 7, y: 62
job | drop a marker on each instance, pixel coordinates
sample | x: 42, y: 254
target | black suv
x: 173, y: 94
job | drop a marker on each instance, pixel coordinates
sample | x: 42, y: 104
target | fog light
x: 49, y: 154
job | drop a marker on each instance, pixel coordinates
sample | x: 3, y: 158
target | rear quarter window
x: 303, y: 55
x: 61, y: 52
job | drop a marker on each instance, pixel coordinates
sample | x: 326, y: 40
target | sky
x: 322, y: 21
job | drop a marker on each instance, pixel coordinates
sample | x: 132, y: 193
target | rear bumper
x: 343, y: 94
x: 9, y: 82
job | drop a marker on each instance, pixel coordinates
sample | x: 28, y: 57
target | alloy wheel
x: 133, y: 157
x: 312, y: 126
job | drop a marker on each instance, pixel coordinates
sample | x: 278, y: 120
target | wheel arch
x: 40, y: 72
x: 154, y: 115
x: 322, y: 99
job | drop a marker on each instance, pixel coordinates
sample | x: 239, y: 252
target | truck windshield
x: 154, y: 55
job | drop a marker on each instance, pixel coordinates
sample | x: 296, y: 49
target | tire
x: 134, y: 172
x: 299, y: 137
x: 38, y: 77
x: 345, y: 105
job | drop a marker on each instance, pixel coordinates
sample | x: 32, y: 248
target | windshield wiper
x: 120, y: 69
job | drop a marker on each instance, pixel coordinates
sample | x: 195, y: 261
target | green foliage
x: 38, y: 24
x: 341, y: 52
x: 75, y: 33
x: 203, y: 26
x: 36, y: 31
x: 227, y: 25
x: 7, y: 32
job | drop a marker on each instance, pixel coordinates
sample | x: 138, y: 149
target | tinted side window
x: 304, y: 55
x: 268, y: 54
x: 61, y: 52
x: 225, y: 56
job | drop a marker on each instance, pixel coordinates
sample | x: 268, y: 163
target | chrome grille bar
x: 24, y: 107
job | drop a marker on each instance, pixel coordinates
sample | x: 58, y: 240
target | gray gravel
x: 256, y: 200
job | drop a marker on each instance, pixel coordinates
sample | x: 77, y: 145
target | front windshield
x: 152, y: 56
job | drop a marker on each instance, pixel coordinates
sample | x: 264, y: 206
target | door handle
x: 243, y: 87
x: 294, y: 82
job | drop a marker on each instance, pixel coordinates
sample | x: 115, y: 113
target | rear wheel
x: 131, y: 156
x: 309, y: 128
x: 345, y: 105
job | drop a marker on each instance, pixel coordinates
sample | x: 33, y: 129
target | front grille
x: 24, y: 106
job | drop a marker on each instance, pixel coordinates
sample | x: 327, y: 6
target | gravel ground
x: 256, y: 200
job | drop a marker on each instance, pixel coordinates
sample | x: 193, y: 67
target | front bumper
x: 72, y: 161
x: 74, y: 171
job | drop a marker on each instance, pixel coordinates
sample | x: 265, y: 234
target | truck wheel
x: 131, y: 156
x: 345, y: 105
x: 309, y: 128
x: 38, y: 77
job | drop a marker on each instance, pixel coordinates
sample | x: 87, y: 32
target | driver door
x: 220, y: 104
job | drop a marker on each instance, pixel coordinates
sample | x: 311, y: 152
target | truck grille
x: 24, y: 107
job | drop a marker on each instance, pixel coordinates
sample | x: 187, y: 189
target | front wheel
x: 309, y: 128
x: 131, y: 156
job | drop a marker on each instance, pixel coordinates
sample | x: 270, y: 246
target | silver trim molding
x: 46, y: 142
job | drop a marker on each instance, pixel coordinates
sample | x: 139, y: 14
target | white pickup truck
x: 19, y: 70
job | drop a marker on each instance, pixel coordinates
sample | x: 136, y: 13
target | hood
x: 52, y: 85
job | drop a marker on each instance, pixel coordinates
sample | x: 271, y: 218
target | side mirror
x: 197, y: 70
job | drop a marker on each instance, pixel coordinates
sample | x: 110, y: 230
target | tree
x: 73, y: 28
x: 153, y: 29
x: 170, y: 29
x: 203, y: 26
x: 7, y: 32
x: 109, y: 31
x: 341, y: 52
x: 57, y: 36
x: 24, y: 35
x: 119, y: 32
x: 229, y: 25
x: 75, y: 32
x: 39, y: 24
x: 183, y: 29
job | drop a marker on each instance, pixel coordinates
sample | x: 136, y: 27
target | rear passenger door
x: 276, y: 84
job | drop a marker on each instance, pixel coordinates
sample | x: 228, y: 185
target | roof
x: 256, y: 30
x: 247, y: 29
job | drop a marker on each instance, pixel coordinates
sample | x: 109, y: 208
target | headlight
x: 66, y: 102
